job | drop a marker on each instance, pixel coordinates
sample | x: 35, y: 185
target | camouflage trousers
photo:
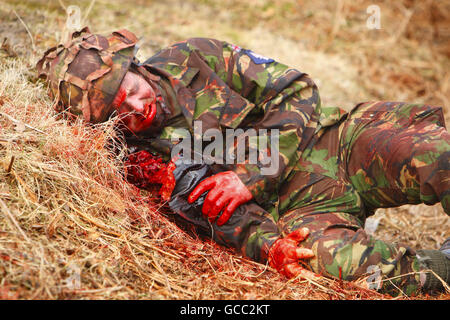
x: 384, y: 154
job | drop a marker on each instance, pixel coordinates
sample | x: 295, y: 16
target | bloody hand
x: 226, y: 192
x: 285, y: 253
x: 147, y: 171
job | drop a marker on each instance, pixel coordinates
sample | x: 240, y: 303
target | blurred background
x: 354, y: 50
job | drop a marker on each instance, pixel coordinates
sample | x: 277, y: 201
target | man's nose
x: 138, y: 105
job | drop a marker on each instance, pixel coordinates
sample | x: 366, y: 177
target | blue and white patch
x: 235, y: 48
x: 257, y: 58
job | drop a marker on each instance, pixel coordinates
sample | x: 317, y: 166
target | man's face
x: 135, y: 103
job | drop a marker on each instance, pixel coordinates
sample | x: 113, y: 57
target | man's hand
x: 285, y: 253
x: 226, y: 192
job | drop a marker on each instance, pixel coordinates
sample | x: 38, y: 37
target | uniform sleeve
x: 281, y: 100
x: 250, y: 230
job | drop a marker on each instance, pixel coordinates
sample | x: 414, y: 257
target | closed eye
x: 120, y: 98
x: 134, y: 89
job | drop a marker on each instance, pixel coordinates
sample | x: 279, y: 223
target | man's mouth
x: 150, y: 115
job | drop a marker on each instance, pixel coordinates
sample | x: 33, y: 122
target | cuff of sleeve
x: 258, y: 246
x: 255, y: 183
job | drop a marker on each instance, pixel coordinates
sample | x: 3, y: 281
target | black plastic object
x: 247, y: 220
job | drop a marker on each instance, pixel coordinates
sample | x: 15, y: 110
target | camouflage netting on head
x: 85, y: 73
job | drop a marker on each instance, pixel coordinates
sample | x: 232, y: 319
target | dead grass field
x: 65, y: 210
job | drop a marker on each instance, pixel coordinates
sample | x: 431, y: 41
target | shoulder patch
x: 257, y: 58
x: 235, y: 48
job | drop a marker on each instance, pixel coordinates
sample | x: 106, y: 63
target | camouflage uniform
x: 336, y: 168
x: 227, y: 87
x: 384, y: 154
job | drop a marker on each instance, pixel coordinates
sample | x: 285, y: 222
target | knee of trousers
x: 435, y: 185
x: 350, y: 254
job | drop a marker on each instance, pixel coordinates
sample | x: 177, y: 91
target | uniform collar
x: 179, y: 78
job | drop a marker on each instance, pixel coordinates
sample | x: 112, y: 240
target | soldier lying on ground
x: 335, y: 167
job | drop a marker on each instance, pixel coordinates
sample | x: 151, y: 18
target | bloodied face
x: 135, y: 103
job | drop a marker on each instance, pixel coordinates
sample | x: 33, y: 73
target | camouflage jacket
x: 228, y: 87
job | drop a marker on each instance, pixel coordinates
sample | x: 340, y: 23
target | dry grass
x: 65, y: 210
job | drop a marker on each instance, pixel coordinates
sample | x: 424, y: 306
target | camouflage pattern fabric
x: 384, y: 154
x: 85, y: 73
x: 228, y: 87
x: 334, y: 166
x: 407, y: 154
